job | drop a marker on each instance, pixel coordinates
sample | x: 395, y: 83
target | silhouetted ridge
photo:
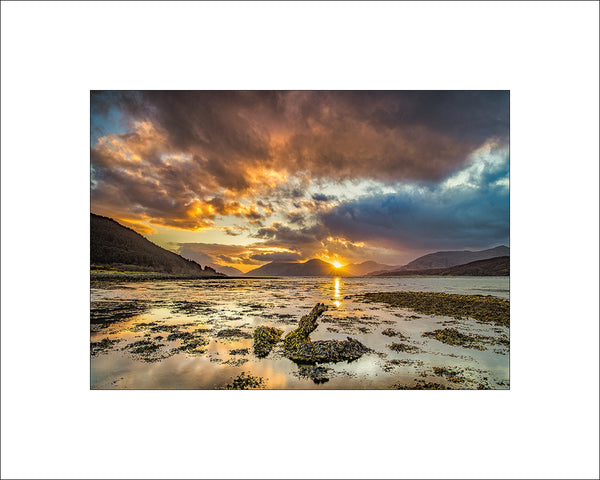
x: 499, y: 266
x: 310, y: 268
x: 113, y: 245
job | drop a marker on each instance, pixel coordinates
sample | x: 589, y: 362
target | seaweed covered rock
x: 265, y: 339
x: 298, y: 347
x: 323, y: 351
x: 307, y: 325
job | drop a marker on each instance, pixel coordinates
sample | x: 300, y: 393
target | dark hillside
x: 452, y: 258
x: 310, y: 268
x: 499, y: 266
x: 113, y: 245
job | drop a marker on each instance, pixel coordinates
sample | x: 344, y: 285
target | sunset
x: 241, y: 179
x: 300, y: 240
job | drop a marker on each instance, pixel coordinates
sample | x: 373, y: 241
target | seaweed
x: 193, y: 346
x: 102, y: 346
x: 404, y: 348
x: 390, y: 332
x: 147, y: 350
x: 451, y: 336
x: 298, y: 347
x: 317, y: 374
x: 232, y: 332
x: 265, y: 339
x: 239, y: 351
x: 104, y: 313
x: 421, y: 385
x: 324, y: 351
x: 246, y: 382
x: 486, y: 309
x: 451, y: 375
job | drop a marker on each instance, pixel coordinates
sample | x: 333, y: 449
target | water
x: 193, y: 312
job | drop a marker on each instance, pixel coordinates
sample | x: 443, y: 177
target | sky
x: 243, y: 178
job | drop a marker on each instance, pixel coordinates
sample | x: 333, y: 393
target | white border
x: 546, y: 426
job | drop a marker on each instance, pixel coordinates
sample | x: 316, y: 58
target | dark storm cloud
x: 410, y: 135
x: 280, y: 234
x: 176, y: 151
x: 473, y: 213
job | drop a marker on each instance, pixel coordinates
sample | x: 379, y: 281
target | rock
x: 323, y: 351
x: 306, y: 326
x: 265, y: 339
x: 298, y: 347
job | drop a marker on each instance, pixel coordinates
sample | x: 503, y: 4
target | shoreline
x: 133, y: 276
x: 142, y: 276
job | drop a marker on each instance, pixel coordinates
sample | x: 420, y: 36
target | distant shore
x: 142, y: 276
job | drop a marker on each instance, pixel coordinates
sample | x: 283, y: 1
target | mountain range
x: 310, y: 268
x: 316, y: 267
x: 114, y: 246
x: 452, y: 258
x: 497, y: 266
x: 421, y: 266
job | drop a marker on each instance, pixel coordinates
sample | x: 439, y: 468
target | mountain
x: 452, y: 258
x: 360, y: 269
x: 310, y: 268
x: 231, y: 271
x: 498, y: 266
x: 201, y: 258
x: 113, y: 245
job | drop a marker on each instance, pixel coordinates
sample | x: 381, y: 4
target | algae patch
x: 486, y: 309
x: 102, y: 346
x: 265, y: 339
x: 451, y: 336
x: 232, y: 333
x: 390, y: 332
x: 246, y: 382
x: 404, y: 348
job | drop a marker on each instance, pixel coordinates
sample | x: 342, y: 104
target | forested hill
x: 115, y: 246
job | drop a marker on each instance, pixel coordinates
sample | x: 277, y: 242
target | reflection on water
x: 336, y: 293
x: 197, y: 334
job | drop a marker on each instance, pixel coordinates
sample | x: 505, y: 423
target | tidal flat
x: 379, y: 333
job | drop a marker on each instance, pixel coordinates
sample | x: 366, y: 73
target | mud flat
x: 311, y: 333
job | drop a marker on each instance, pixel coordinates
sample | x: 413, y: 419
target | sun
x: 337, y: 264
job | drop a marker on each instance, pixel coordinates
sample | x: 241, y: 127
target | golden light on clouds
x: 344, y: 177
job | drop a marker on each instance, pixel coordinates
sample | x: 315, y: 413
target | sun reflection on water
x: 336, y: 292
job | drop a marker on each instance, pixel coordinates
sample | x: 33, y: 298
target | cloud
x: 321, y: 197
x: 245, y: 141
x: 290, y: 165
x: 241, y: 256
x: 277, y: 257
x: 469, y: 209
